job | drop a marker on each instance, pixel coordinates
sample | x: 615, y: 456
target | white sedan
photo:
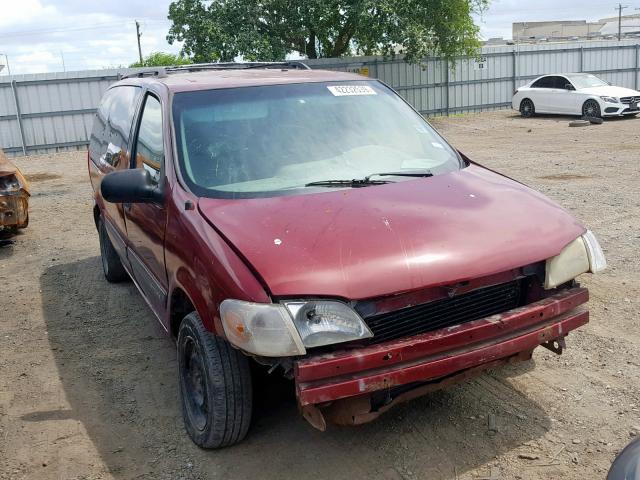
x: 575, y: 94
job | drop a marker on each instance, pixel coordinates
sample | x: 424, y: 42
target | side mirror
x: 130, y: 186
x: 569, y: 87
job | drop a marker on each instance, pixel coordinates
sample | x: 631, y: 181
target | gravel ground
x: 88, y: 382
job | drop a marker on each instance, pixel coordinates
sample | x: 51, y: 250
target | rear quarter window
x: 113, y: 121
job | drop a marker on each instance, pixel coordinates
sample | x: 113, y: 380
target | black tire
x: 591, y: 109
x: 580, y: 123
x: 112, y: 267
x: 527, y: 108
x: 215, y: 386
x: 594, y: 120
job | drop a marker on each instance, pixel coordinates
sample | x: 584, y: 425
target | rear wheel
x: 215, y: 386
x: 112, y: 267
x: 527, y: 109
x: 591, y: 109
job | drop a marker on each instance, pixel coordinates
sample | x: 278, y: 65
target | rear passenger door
x: 542, y: 95
x: 109, y: 151
x: 146, y: 222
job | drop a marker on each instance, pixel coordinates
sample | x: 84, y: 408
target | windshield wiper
x: 421, y: 174
x: 355, y: 183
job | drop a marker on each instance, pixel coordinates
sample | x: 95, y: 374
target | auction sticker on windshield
x: 346, y: 90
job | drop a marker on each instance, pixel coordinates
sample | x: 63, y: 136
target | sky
x: 56, y: 35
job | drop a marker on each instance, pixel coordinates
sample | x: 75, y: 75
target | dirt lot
x: 88, y: 382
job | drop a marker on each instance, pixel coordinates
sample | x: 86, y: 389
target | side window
x: 149, y: 143
x: 544, y: 82
x: 558, y: 82
x: 97, y: 140
x: 121, y: 111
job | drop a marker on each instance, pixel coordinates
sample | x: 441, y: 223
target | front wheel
x: 215, y: 386
x: 527, y: 109
x: 112, y: 267
x: 591, y: 109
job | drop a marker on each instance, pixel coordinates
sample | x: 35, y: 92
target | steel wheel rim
x: 526, y: 107
x: 194, y: 387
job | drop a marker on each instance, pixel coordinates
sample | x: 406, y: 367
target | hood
x: 376, y: 241
x: 610, y: 91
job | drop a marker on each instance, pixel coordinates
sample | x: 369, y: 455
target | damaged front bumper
x: 14, y: 196
x: 355, y: 386
x: 14, y: 210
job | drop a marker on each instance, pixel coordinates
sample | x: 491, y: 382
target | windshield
x: 586, y: 81
x: 276, y: 140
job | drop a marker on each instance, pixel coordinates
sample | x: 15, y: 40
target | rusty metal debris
x: 556, y: 346
x: 14, y: 197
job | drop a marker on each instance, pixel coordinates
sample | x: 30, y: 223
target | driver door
x: 567, y: 97
x: 146, y: 222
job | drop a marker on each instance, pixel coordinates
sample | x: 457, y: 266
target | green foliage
x: 221, y: 30
x: 162, y: 59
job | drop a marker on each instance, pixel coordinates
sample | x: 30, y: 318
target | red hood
x: 376, y: 241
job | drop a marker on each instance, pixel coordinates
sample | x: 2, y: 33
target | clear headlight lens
x: 610, y: 99
x: 263, y: 329
x: 327, y: 322
x: 582, y: 255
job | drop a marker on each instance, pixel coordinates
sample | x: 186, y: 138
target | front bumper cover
x: 326, y: 378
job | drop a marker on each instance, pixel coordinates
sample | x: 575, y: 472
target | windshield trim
x: 202, y: 192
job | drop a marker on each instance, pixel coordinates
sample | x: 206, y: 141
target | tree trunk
x: 311, y: 50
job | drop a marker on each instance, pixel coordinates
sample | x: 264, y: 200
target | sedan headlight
x: 582, y: 255
x: 611, y: 99
x: 275, y: 330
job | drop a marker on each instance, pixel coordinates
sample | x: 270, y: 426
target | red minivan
x: 313, y: 222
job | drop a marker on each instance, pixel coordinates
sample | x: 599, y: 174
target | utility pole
x: 64, y: 68
x: 620, y: 8
x: 138, y: 34
x: 6, y: 58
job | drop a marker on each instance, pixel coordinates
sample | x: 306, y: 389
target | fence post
x: 637, y: 67
x: 16, y: 103
x: 447, y: 86
x: 581, y: 59
x: 515, y: 59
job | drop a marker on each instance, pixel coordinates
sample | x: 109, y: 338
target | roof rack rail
x: 199, y: 67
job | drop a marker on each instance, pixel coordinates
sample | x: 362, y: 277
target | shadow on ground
x: 118, y: 371
x: 567, y: 118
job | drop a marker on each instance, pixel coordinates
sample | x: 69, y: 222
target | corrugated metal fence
x: 51, y: 112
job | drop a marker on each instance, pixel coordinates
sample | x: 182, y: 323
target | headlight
x: 327, y: 322
x: 597, y: 260
x: 610, y: 99
x: 260, y: 328
x: 9, y: 183
x: 582, y: 255
x: 274, y: 330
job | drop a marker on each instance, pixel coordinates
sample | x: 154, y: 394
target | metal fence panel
x: 56, y: 109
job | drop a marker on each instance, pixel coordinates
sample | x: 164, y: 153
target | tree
x: 162, y: 59
x: 272, y: 29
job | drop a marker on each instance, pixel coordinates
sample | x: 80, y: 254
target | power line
x: 22, y: 33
